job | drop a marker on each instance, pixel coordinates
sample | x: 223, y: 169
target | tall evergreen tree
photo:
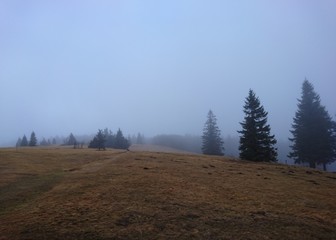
x: 24, y: 142
x: 212, y: 143
x: 256, y: 142
x: 314, y: 138
x: 33, y: 140
x: 120, y: 141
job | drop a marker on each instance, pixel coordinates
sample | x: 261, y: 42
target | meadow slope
x: 58, y: 193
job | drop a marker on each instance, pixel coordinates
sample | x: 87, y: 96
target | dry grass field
x: 50, y: 193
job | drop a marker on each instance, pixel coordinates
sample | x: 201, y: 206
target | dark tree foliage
x: 71, y: 140
x: 33, y: 140
x: 314, y: 138
x: 256, y: 142
x: 120, y: 141
x: 110, y: 138
x: 117, y: 141
x: 24, y: 142
x: 98, y: 141
x: 212, y: 143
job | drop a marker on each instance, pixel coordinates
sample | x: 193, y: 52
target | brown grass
x: 87, y: 194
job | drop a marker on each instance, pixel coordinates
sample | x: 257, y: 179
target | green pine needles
x: 256, y: 141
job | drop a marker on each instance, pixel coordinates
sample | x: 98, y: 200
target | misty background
x: 157, y: 67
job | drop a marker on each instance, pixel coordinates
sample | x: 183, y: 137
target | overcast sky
x: 159, y: 66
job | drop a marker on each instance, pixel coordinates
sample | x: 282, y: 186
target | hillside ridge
x: 114, y: 194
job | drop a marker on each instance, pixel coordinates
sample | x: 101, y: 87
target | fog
x: 157, y: 67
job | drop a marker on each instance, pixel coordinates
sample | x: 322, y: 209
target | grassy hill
x: 87, y: 194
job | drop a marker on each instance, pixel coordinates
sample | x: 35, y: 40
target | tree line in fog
x: 313, y: 140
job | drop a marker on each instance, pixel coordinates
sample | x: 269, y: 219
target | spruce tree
x: 256, y: 142
x: 120, y: 141
x: 71, y: 140
x: 33, y: 140
x: 212, y: 143
x: 314, y: 138
x: 24, y: 142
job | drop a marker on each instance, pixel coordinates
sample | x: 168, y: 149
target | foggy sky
x: 159, y: 66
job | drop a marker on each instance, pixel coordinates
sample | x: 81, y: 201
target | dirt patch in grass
x: 145, y: 195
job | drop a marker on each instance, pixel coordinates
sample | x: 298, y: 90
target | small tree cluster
x: 256, y: 142
x: 24, y: 141
x: 45, y: 142
x: 105, y: 138
x: 98, y: 141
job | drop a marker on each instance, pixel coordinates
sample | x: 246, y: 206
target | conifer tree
x: 18, y: 143
x: 110, y: 138
x: 44, y: 142
x: 314, y: 138
x: 33, y: 140
x: 120, y: 141
x: 71, y: 140
x: 256, y: 142
x: 98, y: 141
x: 212, y: 143
x: 24, y: 142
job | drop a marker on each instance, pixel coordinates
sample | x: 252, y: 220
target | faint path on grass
x: 99, y: 163
x: 105, y: 159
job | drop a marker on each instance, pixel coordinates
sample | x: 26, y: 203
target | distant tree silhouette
x: 111, y: 140
x: 44, y: 142
x: 256, y: 142
x: 314, y: 135
x: 120, y: 141
x: 212, y: 143
x: 33, y: 140
x: 98, y: 141
x: 140, y: 139
x: 54, y: 142
x: 71, y: 140
x: 18, y: 143
x: 24, y: 142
